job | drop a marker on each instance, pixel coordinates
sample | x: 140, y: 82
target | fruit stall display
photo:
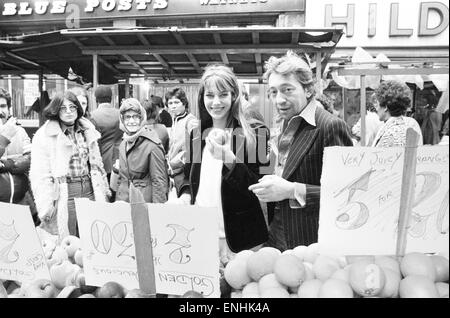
x: 303, y: 273
x: 267, y: 273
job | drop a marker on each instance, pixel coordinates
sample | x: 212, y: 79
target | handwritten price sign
x: 360, y: 201
x: 184, y: 241
x: 21, y: 255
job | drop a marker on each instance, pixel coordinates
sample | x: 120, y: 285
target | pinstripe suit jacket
x: 304, y: 165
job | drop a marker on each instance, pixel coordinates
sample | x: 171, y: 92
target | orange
x: 392, y: 284
x: 335, y: 288
x: 261, y: 263
x: 311, y: 253
x: 388, y: 262
x: 343, y: 274
x: 324, y: 267
x: 442, y: 289
x: 366, y: 278
x: 236, y: 274
x: 418, y: 264
x: 441, y: 266
x: 310, y: 289
x: 300, y: 251
x: 418, y: 286
x: 269, y: 281
x: 289, y: 270
x: 275, y: 293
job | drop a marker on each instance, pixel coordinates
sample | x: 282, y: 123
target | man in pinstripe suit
x: 293, y: 191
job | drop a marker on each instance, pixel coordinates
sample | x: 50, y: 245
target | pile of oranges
x: 304, y: 273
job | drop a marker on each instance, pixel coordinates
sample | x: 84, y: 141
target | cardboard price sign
x: 21, y: 255
x: 361, y: 195
x: 184, y: 242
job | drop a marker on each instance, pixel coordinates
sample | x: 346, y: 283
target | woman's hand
x: 220, y: 151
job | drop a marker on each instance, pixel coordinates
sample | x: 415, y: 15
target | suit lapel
x: 299, y: 148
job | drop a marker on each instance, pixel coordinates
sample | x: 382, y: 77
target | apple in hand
x: 71, y: 244
x: 59, y: 254
x: 218, y: 135
x: 41, y: 288
x: 111, y: 290
x: 78, y: 258
x: 60, y: 272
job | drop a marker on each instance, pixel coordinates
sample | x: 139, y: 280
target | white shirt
x: 209, y: 191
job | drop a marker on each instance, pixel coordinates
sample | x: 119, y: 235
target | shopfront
x: 407, y: 31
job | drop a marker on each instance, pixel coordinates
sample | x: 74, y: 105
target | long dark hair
x: 52, y: 110
x: 222, y: 78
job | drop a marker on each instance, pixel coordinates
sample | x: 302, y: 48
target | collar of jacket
x: 53, y: 129
x: 179, y: 117
x: 148, y: 134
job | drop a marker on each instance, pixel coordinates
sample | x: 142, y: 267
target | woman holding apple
x: 65, y: 164
x: 228, y: 163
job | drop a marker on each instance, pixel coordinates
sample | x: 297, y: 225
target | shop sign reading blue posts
x: 14, y: 11
x: 184, y: 242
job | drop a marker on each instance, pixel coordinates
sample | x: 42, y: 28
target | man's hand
x: 9, y: 129
x: 272, y: 188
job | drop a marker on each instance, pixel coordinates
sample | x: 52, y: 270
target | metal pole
x: 363, y: 110
x: 319, y: 71
x: 95, y: 68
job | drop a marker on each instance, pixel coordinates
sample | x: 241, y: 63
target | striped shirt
x: 79, y: 162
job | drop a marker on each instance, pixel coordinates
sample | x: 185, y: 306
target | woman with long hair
x: 218, y: 173
x: 65, y: 164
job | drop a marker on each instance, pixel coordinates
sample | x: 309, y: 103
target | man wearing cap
x: 106, y: 120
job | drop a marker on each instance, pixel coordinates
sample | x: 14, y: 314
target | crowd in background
x: 98, y: 154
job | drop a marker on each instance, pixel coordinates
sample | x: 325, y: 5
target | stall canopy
x: 159, y: 53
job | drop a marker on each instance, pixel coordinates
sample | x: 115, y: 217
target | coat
x: 244, y: 222
x: 176, y: 155
x: 106, y: 120
x: 50, y: 155
x: 144, y: 164
x: 304, y: 165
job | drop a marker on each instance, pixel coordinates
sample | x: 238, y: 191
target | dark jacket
x: 145, y: 166
x: 244, y: 222
x: 304, y: 165
x: 165, y: 118
x: 106, y: 120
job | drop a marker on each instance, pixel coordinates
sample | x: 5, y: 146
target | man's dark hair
x: 179, y: 93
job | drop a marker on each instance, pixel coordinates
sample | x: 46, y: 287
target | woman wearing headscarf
x: 141, y: 156
x: 65, y: 164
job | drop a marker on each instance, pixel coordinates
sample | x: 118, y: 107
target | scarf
x: 130, y: 137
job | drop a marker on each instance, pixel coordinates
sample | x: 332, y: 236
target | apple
x: 48, y: 246
x: 72, y: 278
x: 69, y: 292
x: 80, y: 282
x: 59, y: 254
x: 218, y: 135
x: 3, y: 293
x: 192, y: 294
x: 41, y: 288
x: 137, y: 293
x: 71, y: 244
x: 111, y: 290
x: 78, y: 258
x: 60, y: 272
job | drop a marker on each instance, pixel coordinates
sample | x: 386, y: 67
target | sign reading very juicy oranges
x: 360, y: 201
x: 184, y: 240
x: 21, y: 255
